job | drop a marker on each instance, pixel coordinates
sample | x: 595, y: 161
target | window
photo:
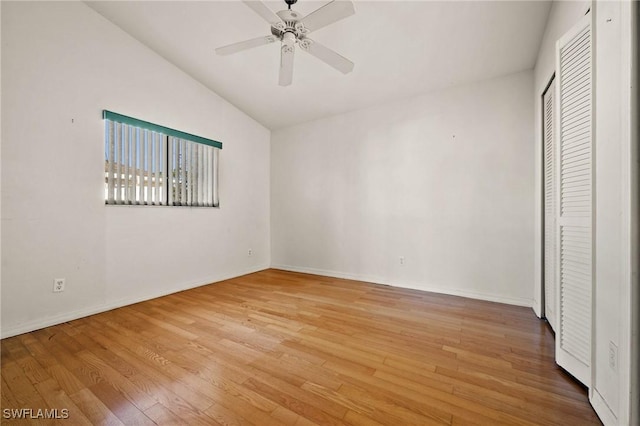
x: 149, y: 164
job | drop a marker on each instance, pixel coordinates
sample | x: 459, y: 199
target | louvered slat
x: 127, y: 172
x: 120, y: 129
x: 110, y: 166
x: 171, y: 181
x: 576, y: 143
x: 216, y: 194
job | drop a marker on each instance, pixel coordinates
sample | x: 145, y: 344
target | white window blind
x: 133, y: 166
x: 192, y: 170
x: 149, y: 164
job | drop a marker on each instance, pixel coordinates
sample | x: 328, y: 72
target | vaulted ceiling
x: 400, y: 49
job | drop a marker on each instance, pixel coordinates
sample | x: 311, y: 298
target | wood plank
x: 120, y: 406
x: 159, y: 414
x: 57, y: 399
x: 20, y: 387
x: 94, y: 409
x: 300, y: 402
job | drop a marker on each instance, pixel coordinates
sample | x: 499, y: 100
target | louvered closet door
x: 574, y: 89
x: 550, y: 195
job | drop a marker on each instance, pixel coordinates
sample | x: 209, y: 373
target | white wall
x: 613, y: 194
x: 62, y: 63
x: 444, y: 180
x: 563, y: 15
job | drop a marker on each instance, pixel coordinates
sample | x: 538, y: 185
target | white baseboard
x: 408, y: 284
x: 602, y: 409
x: 39, y: 323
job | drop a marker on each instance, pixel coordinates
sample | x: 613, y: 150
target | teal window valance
x: 114, y: 116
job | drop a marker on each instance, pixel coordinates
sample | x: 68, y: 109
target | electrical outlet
x: 58, y: 285
x: 249, y: 252
x: 613, y: 356
x: 402, y: 260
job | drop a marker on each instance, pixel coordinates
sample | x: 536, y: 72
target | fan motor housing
x: 291, y: 24
x: 288, y: 15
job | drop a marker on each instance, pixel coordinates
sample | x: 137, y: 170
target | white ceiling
x: 400, y: 49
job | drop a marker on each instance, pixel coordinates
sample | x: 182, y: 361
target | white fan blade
x: 267, y: 14
x: 327, y: 55
x: 286, y: 65
x: 328, y: 14
x: 244, y: 45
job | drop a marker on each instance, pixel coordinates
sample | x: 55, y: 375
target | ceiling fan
x: 291, y: 28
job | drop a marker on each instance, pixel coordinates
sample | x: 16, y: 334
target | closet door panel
x: 573, y: 206
x: 550, y: 223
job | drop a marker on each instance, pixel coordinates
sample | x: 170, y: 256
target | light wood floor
x: 284, y: 348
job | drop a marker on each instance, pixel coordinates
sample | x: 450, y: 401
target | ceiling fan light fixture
x: 300, y: 28
x: 288, y: 39
x: 305, y: 43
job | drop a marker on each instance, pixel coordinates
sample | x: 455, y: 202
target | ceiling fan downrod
x: 290, y: 3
